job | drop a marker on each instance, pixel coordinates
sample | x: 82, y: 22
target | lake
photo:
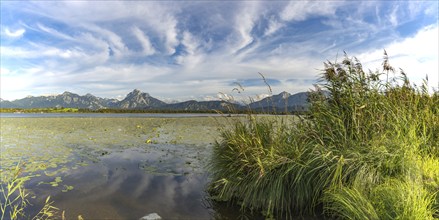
x: 105, y: 115
x: 116, y: 166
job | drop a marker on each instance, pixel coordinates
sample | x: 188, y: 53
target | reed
x: 367, y: 150
x: 14, y: 197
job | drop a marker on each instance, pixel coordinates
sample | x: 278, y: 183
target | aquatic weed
x: 14, y: 197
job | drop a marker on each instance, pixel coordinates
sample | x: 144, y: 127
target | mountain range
x: 140, y: 100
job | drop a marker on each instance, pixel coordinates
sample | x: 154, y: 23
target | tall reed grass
x: 368, y: 150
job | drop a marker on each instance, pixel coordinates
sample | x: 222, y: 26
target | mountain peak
x: 282, y: 95
x: 138, y: 99
x: 67, y: 93
x: 137, y: 92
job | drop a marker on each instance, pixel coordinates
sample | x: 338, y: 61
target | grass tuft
x: 14, y: 197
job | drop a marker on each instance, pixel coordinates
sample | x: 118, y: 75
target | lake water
x: 115, y: 166
x: 105, y: 115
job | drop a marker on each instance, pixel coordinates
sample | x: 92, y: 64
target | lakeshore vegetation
x: 368, y: 149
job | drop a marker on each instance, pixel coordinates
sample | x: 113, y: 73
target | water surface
x: 105, y: 115
x: 103, y: 167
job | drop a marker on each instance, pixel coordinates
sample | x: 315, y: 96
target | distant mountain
x: 7, y: 104
x: 282, y: 101
x: 140, y: 100
x: 66, y: 100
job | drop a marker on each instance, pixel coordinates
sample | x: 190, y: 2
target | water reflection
x: 118, y: 188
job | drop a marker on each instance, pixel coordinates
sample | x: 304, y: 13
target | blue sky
x: 180, y: 50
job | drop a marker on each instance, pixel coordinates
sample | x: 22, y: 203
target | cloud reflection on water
x: 116, y: 187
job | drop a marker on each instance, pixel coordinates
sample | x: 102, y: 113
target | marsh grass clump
x: 367, y: 149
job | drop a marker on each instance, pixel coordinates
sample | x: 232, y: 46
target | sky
x: 202, y: 50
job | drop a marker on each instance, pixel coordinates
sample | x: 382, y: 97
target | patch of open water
x: 116, y: 168
x: 106, y: 115
x: 130, y: 183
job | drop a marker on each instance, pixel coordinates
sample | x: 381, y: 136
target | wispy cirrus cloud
x: 14, y: 34
x: 301, y: 10
x: 244, y: 22
x: 147, y: 47
x: 179, y: 50
x: 54, y: 32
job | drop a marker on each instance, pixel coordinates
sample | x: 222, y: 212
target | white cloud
x: 114, y: 41
x: 417, y: 56
x: 415, y: 8
x: 127, y: 74
x: 273, y: 26
x: 4, y: 71
x: 194, y: 51
x: 148, y: 49
x: 301, y: 10
x: 54, y: 32
x: 190, y: 43
x: 393, y: 17
x: 171, y: 37
x: 97, y: 17
x: 161, y: 19
x: 40, y: 51
x: 19, y: 84
x: 244, y: 22
x: 15, y: 34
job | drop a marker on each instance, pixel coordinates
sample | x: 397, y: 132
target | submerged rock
x: 152, y: 216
